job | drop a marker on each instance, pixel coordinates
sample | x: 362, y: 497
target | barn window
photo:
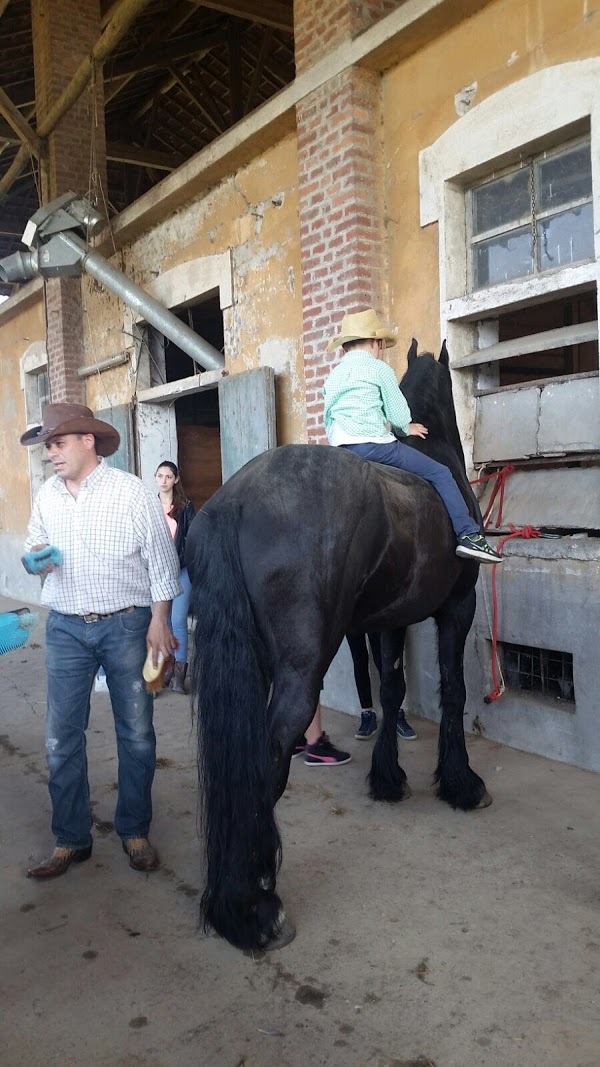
x: 538, y: 670
x: 36, y: 387
x: 534, y: 218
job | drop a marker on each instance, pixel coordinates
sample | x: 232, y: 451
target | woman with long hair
x: 179, y: 512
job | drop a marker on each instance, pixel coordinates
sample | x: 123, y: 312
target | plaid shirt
x: 361, y: 396
x: 117, y: 549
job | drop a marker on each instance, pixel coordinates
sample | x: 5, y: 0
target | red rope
x: 527, y: 532
x: 498, y: 491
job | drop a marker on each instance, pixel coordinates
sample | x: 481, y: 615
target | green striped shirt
x: 361, y: 396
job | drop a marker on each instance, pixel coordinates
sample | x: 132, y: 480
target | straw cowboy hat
x: 363, y: 326
x: 61, y: 419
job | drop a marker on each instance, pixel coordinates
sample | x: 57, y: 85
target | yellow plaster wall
x: 254, y: 213
x: 17, y: 333
x: 504, y: 43
x: 105, y: 319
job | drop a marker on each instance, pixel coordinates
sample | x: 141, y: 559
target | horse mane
x: 427, y: 386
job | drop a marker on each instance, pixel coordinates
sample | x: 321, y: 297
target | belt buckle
x: 92, y: 616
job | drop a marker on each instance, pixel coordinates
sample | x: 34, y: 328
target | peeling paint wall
x: 17, y: 333
x: 254, y: 214
x: 425, y: 94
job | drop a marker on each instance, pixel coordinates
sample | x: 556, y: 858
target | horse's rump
x: 322, y: 522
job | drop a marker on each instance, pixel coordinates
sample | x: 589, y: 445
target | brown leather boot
x: 168, y: 675
x: 60, y: 860
x: 142, y: 855
x: 178, y: 679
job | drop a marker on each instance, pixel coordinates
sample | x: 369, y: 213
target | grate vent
x: 538, y: 670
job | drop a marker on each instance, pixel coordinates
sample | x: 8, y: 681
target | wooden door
x: 247, y: 417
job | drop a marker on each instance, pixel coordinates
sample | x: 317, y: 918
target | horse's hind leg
x: 293, y: 704
x: 387, y: 780
x: 457, y: 783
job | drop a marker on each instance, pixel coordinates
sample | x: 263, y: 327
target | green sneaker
x: 475, y: 546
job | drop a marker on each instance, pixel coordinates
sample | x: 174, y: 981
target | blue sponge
x: 15, y: 627
x: 34, y: 562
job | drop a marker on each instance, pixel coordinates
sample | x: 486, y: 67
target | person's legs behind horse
x: 403, y: 728
x: 179, y: 626
x: 357, y: 644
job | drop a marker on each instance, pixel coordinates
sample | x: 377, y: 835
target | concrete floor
x: 425, y: 936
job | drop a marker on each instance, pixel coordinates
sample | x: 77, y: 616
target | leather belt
x: 95, y: 616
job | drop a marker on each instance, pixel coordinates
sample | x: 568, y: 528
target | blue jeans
x: 74, y: 652
x: 395, y: 454
x: 179, y: 617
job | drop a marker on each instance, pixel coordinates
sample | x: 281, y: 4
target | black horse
x: 302, y: 545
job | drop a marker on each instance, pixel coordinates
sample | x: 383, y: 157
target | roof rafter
x: 163, y: 55
x: 19, y: 124
x: 165, y: 28
x: 257, y: 74
x: 264, y: 12
x: 142, y: 157
x: 124, y: 15
x: 193, y: 87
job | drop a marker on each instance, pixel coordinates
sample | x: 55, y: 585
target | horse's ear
x: 444, y: 357
x: 412, y: 352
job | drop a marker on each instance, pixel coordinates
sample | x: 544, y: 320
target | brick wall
x: 319, y: 27
x: 341, y: 224
x: 340, y: 184
x: 64, y: 32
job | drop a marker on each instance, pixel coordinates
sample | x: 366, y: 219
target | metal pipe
x: 102, y: 365
x: 145, y: 305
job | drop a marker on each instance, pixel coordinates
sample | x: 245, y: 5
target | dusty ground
x: 425, y: 936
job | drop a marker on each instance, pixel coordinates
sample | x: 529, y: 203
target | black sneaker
x: 299, y: 747
x: 404, y: 729
x: 475, y: 546
x: 324, y: 754
x: 368, y: 725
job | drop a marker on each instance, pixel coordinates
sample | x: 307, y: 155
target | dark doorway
x: 197, y: 415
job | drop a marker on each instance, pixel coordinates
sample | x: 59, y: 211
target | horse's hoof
x: 407, y: 794
x: 287, y: 933
x: 485, y: 801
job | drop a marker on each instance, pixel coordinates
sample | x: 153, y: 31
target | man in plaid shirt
x: 109, y: 601
x: 362, y: 402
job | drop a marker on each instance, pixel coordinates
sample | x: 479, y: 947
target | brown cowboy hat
x: 363, y: 326
x: 61, y: 419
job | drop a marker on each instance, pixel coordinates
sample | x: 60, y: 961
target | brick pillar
x: 320, y: 26
x: 64, y: 32
x: 340, y: 166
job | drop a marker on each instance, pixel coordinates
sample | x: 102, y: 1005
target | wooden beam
x: 193, y: 87
x: 165, y: 85
x: 167, y: 26
x: 264, y: 12
x: 274, y: 68
x: 532, y: 342
x: 142, y: 157
x: 19, y: 124
x: 257, y: 73
x: 196, y: 383
x: 163, y: 55
x: 14, y: 170
x: 124, y: 15
x: 236, y: 103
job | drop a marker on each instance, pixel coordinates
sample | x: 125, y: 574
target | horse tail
x: 229, y: 679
